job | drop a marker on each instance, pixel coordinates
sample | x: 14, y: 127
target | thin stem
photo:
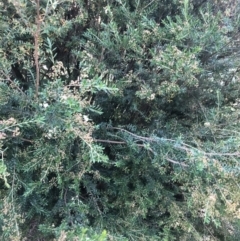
x: 13, y: 205
x: 8, y: 78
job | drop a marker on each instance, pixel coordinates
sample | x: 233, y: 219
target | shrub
x: 119, y: 116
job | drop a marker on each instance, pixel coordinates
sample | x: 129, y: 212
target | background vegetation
x: 119, y: 120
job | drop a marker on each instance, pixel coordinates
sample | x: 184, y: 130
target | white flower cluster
x: 52, y: 133
x: 44, y: 105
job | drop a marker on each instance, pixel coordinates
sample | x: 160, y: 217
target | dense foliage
x: 119, y: 120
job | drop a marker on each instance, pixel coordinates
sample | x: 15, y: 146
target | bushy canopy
x: 119, y: 120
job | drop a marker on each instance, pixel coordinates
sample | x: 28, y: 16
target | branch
x: 140, y: 145
x: 182, y: 146
x: 36, y: 45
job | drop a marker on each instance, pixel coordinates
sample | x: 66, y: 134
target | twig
x: 122, y: 142
x: 109, y: 141
x: 8, y: 78
x: 139, y: 137
x: 13, y: 205
x: 175, y: 162
x: 148, y: 4
x: 27, y: 140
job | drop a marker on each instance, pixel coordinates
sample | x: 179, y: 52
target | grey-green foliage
x: 132, y: 131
